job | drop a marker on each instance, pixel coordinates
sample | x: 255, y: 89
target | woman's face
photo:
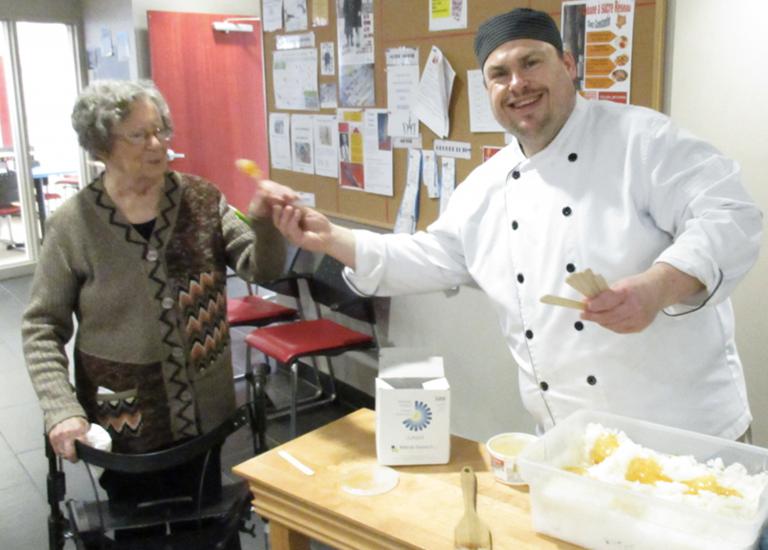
x: 140, y: 144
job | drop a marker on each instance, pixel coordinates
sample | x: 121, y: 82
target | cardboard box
x: 413, y: 423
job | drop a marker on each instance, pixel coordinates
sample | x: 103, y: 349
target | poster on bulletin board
x: 599, y: 35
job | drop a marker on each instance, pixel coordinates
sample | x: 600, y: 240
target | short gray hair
x: 106, y: 103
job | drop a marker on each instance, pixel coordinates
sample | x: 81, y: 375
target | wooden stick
x: 564, y: 302
x: 576, y: 282
x: 602, y: 283
x: 594, y: 286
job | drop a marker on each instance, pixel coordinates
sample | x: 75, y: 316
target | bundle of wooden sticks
x: 586, y: 282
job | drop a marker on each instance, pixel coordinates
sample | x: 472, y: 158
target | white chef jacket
x: 619, y: 188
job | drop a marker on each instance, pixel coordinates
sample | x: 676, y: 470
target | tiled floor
x: 23, y: 467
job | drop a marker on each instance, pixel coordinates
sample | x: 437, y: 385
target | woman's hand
x: 269, y: 194
x: 63, y: 435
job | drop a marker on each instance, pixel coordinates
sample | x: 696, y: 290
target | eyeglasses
x: 140, y: 137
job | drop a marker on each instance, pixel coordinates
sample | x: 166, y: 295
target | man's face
x: 531, y: 90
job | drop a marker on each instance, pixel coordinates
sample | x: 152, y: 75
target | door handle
x: 173, y: 155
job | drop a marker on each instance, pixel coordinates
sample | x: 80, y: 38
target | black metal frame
x: 96, y: 518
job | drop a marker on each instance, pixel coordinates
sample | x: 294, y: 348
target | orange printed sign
x: 598, y: 82
x: 599, y: 33
x: 599, y: 66
x: 600, y: 50
x: 600, y: 36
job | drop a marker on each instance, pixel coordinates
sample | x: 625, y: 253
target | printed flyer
x: 598, y: 33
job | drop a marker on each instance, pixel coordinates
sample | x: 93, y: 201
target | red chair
x: 9, y: 196
x: 69, y: 184
x: 6, y: 212
x: 253, y: 310
x: 292, y: 343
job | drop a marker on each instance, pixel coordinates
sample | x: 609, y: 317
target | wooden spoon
x: 471, y: 533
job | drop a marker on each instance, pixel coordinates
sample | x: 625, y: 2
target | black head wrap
x: 518, y: 23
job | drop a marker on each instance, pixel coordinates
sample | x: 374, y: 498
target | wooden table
x: 421, y: 512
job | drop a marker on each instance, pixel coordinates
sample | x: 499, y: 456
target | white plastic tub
x: 596, y: 514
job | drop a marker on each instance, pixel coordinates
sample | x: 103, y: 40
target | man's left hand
x: 631, y: 304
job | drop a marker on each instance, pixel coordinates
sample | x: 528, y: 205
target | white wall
x: 717, y: 87
x: 117, y: 17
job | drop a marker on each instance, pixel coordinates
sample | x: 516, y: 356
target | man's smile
x: 525, y: 101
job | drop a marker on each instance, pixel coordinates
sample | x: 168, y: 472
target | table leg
x: 282, y: 538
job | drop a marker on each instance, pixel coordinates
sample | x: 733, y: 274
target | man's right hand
x: 312, y: 231
x: 63, y: 435
x: 303, y: 227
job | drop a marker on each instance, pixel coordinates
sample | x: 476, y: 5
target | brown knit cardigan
x: 152, y: 361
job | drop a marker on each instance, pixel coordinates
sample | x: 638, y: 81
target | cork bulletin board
x: 406, y: 23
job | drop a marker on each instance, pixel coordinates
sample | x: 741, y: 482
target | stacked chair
x: 9, y: 197
x: 252, y: 310
x: 293, y: 344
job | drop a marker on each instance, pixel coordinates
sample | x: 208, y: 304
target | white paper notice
x: 447, y: 180
x: 429, y: 174
x: 302, y: 139
x: 294, y: 77
x: 295, y: 15
x: 402, y: 81
x: 408, y: 212
x: 295, y: 41
x: 326, y: 146
x: 456, y: 149
x: 434, y: 93
x: 328, y: 95
x: 272, y: 15
x: 327, y: 59
x: 447, y: 14
x: 377, y: 153
x: 279, y: 141
x: 480, y: 114
x: 400, y: 142
x: 305, y: 199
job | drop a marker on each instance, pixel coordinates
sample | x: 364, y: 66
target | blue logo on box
x: 420, y: 418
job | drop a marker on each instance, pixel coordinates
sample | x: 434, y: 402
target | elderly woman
x: 139, y: 257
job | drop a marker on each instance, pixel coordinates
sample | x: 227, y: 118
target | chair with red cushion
x: 9, y: 197
x: 253, y: 310
x: 292, y: 344
x: 69, y: 184
x: 7, y: 212
x: 256, y: 311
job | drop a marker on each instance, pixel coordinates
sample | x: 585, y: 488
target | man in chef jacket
x: 587, y: 184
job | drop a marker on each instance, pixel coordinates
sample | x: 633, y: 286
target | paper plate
x: 368, y: 480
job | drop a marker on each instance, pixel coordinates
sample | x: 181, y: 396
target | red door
x: 214, y: 85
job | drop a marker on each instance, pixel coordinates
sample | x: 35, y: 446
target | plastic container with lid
x: 504, y: 449
x: 597, y: 514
